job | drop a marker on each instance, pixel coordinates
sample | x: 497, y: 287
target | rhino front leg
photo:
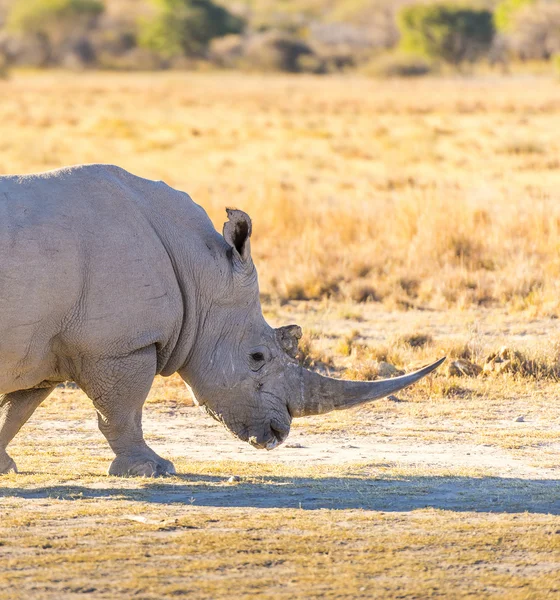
x: 15, y: 410
x: 118, y: 388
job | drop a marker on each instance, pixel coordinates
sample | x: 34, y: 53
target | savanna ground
x: 396, y: 222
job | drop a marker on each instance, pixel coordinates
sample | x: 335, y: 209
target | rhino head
x: 245, y: 373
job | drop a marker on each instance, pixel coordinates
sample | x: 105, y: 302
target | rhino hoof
x: 141, y: 467
x: 7, y: 465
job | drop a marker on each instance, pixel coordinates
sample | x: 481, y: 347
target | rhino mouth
x: 277, y: 438
x: 269, y: 445
x: 270, y: 438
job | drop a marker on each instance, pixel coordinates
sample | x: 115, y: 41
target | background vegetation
x: 381, y: 37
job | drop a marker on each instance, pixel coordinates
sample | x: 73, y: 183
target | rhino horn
x: 321, y: 394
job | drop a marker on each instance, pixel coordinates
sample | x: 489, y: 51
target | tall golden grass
x: 432, y: 193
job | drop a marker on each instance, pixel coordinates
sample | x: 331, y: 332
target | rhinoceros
x: 108, y: 279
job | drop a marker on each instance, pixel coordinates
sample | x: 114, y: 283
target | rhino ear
x: 237, y: 233
x: 288, y: 337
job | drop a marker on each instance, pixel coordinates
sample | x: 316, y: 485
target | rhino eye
x: 258, y: 358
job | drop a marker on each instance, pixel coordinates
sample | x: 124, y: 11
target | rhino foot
x: 141, y: 466
x: 7, y: 465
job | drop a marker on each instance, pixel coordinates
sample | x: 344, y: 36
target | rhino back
x: 84, y: 270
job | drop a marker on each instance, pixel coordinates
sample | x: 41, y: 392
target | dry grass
x: 187, y: 551
x: 430, y: 193
x: 379, y: 201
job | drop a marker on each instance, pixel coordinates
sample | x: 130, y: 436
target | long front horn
x: 321, y: 394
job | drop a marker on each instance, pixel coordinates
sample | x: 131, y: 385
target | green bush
x: 186, y: 27
x: 448, y: 32
x: 42, y: 16
x: 505, y: 11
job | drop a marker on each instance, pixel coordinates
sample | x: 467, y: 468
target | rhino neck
x: 184, y: 336
x: 198, y: 256
x: 199, y: 266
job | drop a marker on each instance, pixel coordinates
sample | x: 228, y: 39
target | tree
x: 53, y: 22
x: 186, y: 27
x: 448, y: 32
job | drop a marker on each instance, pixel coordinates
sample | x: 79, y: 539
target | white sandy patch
x: 190, y: 434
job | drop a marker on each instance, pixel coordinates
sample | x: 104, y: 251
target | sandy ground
x: 430, y: 474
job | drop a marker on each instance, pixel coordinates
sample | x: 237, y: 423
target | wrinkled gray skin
x: 107, y: 279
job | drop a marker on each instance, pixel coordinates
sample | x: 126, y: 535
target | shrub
x: 186, y: 27
x: 448, y: 32
x: 227, y: 51
x: 36, y: 16
x: 53, y: 23
x: 535, y: 32
x: 398, y: 65
x: 276, y: 51
x: 505, y: 13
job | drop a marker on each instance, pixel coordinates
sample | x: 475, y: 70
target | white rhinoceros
x: 107, y: 279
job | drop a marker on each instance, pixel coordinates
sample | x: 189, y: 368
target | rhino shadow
x: 460, y: 494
